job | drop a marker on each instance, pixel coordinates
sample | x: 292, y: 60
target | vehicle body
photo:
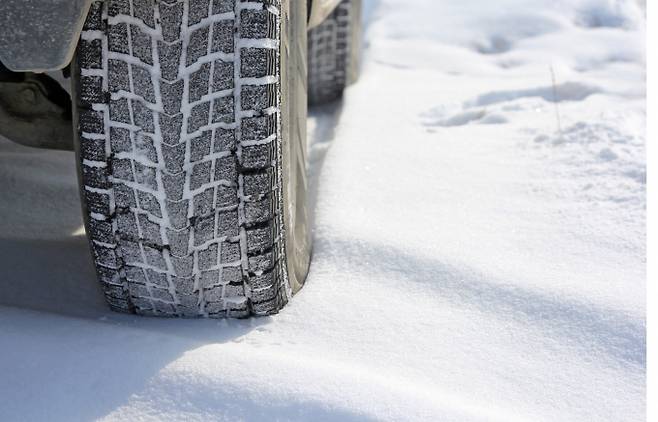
x: 50, y: 29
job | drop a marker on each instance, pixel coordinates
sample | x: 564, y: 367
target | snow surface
x: 479, y: 245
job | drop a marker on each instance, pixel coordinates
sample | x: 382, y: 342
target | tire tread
x: 178, y: 105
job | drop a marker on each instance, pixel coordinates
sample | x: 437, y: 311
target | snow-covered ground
x: 479, y: 245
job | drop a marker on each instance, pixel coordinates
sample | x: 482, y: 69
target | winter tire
x: 333, y: 53
x: 191, y: 140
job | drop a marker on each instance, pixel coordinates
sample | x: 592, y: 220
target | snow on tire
x: 333, y: 52
x: 184, y: 138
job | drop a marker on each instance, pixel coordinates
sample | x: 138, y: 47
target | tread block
x: 94, y: 20
x: 174, y: 157
x: 117, y: 39
x: 208, y: 257
x: 197, y: 46
x: 171, y: 95
x: 112, y: 290
x: 183, y: 266
x: 171, y: 17
x: 257, y: 128
x: 231, y: 275
x: 150, y: 231
x: 258, y: 97
x: 170, y: 55
x: 135, y: 274
x: 222, y: 6
x: 199, y: 83
x: 198, y: 10
x: 124, y: 197
x: 174, y: 185
x: 213, y: 296
x: 224, y: 140
x: 226, y: 169
x: 209, y: 279
x: 227, y: 224
x: 154, y: 258
x: 119, y: 79
x: 200, y: 175
x: 256, y: 24
x: 141, y: 45
x: 154, y: 277
x: 227, y: 196
x: 258, y: 211
x: 97, y: 202
x: 199, y: 117
x: 200, y: 146
x: 257, y: 62
x: 131, y: 252
x: 146, y: 176
x: 223, y: 109
x: 145, y: 147
x: 202, y: 202
x: 91, y: 90
x: 260, y: 282
x: 101, y: 230
x: 222, y: 37
x: 90, y: 54
x: 255, y: 157
x: 259, y: 239
x: 126, y: 224
x: 261, y: 263
x: 91, y: 121
x: 256, y: 184
x: 148, y: 202
x: 163, y: 295
x: 109, y: 276
x: 95, y: 177
x: 137, y: 290
x: 204, y: 229
x: 233, y: 290
x: 142, y: 116
x: 93, y: 149
x: 230, y: 252
x: 170, y: 128
x: 119, y: 7
x: 120, y: 111
x: 142, y: 83
x: 143, y: 10
x: 177, y: 211
x: 186, y: 286
x: 120, y: 140
x: 265, y: 307
x: 223, y: 77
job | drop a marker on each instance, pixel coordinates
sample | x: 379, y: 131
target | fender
x: 40, y: 35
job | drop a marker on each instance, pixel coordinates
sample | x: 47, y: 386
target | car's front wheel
x: 191, y: 149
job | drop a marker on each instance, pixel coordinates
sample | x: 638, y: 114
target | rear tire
x: 333, y: 53
x: 191, y: 147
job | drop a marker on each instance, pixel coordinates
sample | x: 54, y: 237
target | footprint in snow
x: 436, y: 118
x: 568, y: 91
